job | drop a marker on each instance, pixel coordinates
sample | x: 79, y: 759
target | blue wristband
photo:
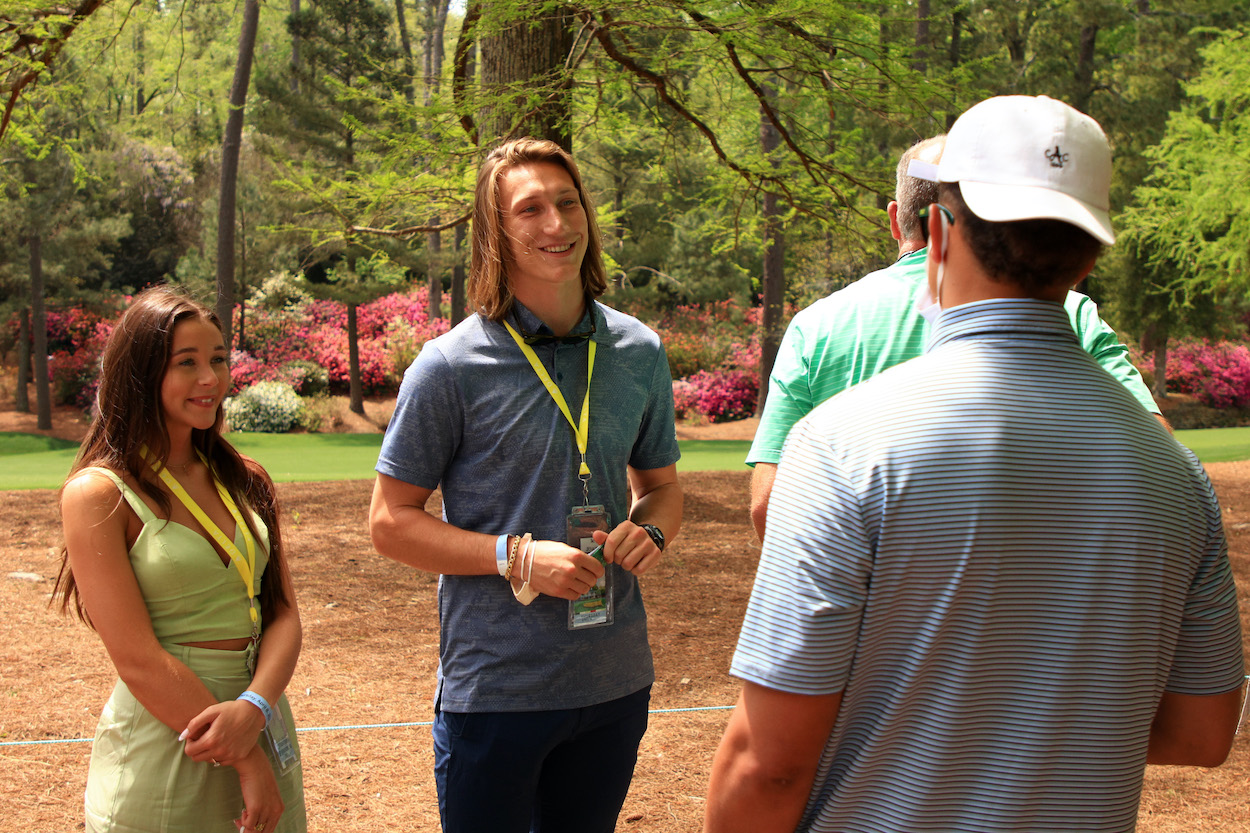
x: 259, y: 702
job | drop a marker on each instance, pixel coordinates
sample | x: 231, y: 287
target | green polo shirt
x: 873, y: 324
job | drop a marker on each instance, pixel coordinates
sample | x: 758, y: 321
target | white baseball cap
x: 1019, y: 157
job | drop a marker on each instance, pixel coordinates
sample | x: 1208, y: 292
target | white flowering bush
x: 269, y: 407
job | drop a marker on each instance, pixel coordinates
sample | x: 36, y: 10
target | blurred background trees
x: 739, y: 150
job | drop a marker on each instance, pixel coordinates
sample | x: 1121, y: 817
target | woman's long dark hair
x: 128, y: 415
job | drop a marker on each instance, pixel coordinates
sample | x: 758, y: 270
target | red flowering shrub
x: 1217, y: 375
x: 720, y: 336
x: 390, y: 330
x: 725, y: 395
x: 685, y: 398
x: 75, y: 370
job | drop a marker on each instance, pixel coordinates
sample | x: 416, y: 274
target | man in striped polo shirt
x: 993, y: 587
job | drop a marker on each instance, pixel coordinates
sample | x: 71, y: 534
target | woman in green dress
x: 197, y: 735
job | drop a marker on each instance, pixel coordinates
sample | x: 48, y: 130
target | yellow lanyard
x: 246, y: 565
x: 581, y: 430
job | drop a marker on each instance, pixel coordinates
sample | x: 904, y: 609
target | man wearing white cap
x: 993, y: 587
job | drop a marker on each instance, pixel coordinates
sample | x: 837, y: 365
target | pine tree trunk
x: 39, y: 326
x: 1085, y: 68
x: 457, y: 278
x: 405, y: 48
x: 21, y: 397
x: 1160, y: 389
x: 357, y: 404
x: 434, y: 275
x: 295, y: 58
x: 230, y: 145
x: 432, y: 69
x: 773, y: 288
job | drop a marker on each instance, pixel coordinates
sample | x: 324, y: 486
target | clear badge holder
x: 595, y: 607
x: 278, y: 734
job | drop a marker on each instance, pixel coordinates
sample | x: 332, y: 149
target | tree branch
x: 41, y: 50
x: 461, y: 67
x: 411, y: 231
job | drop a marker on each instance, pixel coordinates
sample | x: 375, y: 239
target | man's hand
x: 557, y: 570
x: 630, y: 546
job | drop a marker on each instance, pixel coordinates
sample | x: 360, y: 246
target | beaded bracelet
x: 526, y: 594
x: 259, y: 702
x: 514, y: 544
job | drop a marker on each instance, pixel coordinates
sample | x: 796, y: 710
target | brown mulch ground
x: 371, y: 641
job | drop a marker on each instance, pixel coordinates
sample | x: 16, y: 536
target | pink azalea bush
x: 75, y: 368
x: 714, y: 355
x: 1216, y: 374
x: 685, y: 398
x: 317, y: 333
x: 724, y: 395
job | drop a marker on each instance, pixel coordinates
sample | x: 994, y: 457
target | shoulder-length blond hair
x: 488, y: 289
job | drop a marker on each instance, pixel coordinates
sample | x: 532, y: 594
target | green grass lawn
x: 30, y: 461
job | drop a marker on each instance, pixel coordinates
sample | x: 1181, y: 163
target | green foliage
x: 320, y: 414
x: 267, y: 407
x: 308, y: 378
x: 1192, y: 217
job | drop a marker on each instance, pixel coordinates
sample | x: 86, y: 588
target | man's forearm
x: 744, y: 796
x: 761, y: 491
x: 764, y: 768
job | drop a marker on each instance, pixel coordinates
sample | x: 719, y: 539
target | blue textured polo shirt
x: 473, y: 418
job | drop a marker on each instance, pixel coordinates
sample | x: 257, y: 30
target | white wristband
x: 501, y: 554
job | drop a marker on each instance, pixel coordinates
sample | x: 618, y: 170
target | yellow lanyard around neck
x: 581, y: 429
x: 246, y: 565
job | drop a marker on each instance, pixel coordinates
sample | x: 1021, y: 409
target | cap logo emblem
x: 1057, y: 157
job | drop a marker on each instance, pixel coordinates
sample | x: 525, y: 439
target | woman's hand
x: 224, y: 733
x: 262, y: 803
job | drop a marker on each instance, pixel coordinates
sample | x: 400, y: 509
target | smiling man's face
x: 545, y: 225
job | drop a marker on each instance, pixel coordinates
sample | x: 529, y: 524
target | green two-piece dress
x: 140, y: 779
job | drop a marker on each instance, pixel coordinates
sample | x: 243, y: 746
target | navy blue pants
x: 537, y: 772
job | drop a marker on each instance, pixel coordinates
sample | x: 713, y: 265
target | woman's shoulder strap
x: 136, y: 502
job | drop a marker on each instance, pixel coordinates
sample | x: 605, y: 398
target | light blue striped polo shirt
x: 1003, y: 561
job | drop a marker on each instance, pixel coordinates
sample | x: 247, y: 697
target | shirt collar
x: 527, y: 322
x: 1021, y: 317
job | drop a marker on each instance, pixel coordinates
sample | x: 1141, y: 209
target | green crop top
x: 191, y: 595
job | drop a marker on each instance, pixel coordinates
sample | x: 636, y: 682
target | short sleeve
x: 800, y: 630
x: 656, y: 446
x: 426, y: 428
x: 789, y: 397
x: 1208, y: 658
x: 1102, y: 342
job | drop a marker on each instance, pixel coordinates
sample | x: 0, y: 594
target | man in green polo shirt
x: 879, y: 321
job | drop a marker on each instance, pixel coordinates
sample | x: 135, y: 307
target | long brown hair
x: 128, y: 414
x: 488, y: 287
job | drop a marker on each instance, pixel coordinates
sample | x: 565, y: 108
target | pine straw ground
x: 369, y: 653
